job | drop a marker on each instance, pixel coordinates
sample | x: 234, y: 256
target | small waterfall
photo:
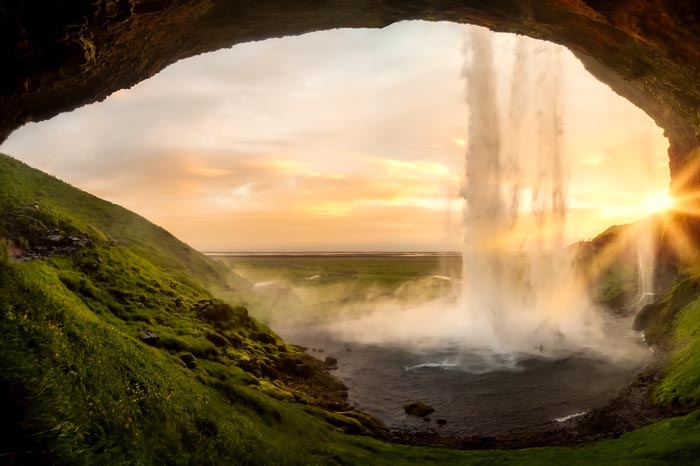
x: 518, y: 299
x: 646, y: 259
x: 645, y: 244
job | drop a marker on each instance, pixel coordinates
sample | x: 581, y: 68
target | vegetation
x: 315, y: 287
x: 83, y: 392
x: 113, y: 350
x: 112, y: 344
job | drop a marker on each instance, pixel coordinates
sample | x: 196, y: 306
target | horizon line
x: 215, y: 253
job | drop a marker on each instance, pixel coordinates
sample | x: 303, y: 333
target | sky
x: 340, y: 140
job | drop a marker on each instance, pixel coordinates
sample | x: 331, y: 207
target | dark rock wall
x: 58, y: 55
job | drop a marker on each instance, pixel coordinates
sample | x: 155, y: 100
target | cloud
x: 337, y: 139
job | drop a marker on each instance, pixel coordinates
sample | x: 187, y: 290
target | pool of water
x: 476, y: 391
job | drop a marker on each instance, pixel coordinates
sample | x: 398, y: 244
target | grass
x: 80, y: 385
x: 86, y: 393
x: 30, y: 191
x: 681, y: 384
x: 77, y: 386
x: 366, y: 271
x: 319, y: 287
x: 78, y: 404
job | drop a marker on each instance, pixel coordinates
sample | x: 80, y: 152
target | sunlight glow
x: 657, y: 202
x: 654, y: 203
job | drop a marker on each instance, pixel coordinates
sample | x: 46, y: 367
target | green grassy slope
x: 25, y: 189
x: 75, y: 297
x: 77, y: 386
x: 80, y: 391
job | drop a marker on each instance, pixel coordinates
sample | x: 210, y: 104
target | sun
x: 657, y: 202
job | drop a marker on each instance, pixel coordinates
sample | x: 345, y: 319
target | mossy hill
x: 610, y: 262
x: 113, y: 350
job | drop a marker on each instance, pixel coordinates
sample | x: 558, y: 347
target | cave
x: 62, y: 56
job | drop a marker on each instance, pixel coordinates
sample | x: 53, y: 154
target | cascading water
x: 485, y: 214
x: 522, y: 344
x: 521, y: 299
x: 645, y: 246
x: 519, y: 292
x: 645, y: 262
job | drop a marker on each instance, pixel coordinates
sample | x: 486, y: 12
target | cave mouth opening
x: 333, y: 106
x: 276, y: 146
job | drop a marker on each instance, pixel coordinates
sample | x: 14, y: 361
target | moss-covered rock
x: 188, y: 360
x: 218, y: 340
x: 656, y: 320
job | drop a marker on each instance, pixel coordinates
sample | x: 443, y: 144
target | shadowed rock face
x: 62, y: 54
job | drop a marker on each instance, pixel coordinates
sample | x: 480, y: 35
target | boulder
x: 418, y: 409
x: 331, y: 362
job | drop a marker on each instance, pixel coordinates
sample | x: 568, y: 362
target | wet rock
x: 149, y: 338
x: 331, y: 362
x: 418, y: 409
x: 189, y: 360
x: 335, y: 406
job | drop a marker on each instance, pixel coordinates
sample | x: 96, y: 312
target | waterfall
x: 484, y: 207
x: 524, y: 299
x: 646, y: 258
x: 645, y: 243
